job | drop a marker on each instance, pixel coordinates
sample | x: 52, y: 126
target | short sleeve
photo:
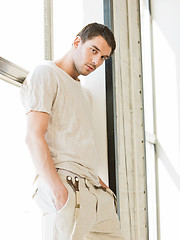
x: 39, y: 89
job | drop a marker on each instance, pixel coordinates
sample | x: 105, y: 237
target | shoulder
x: 42, y: 79
x: 41, y: 74
x: 42, y: 69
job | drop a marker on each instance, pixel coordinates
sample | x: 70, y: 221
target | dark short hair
x: 96, y: 29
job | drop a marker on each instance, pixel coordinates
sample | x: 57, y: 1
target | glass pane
x: 21, y: 24
x: 68, y: 21
x: 21, y: 42
x: 19, y: 215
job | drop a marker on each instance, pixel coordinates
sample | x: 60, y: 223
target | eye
x: 104, y: 58
x: 93, y: 50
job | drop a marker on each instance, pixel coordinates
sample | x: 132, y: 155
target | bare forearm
x: 35, y: 138
x: 43, y: 161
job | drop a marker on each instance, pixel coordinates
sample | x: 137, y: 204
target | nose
x: 97, y: 61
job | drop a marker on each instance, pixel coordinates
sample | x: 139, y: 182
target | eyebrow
x: 100, y: 51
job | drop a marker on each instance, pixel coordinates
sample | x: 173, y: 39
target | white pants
x: 97, y: 218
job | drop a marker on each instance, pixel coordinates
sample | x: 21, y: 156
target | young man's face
x: 90, y: 55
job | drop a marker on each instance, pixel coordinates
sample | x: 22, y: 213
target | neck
x: 66, y: 64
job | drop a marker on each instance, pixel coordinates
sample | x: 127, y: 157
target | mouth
x: 90, y: 68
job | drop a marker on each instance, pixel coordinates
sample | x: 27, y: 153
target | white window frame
x: 150, y: 125
x: 13, y: 73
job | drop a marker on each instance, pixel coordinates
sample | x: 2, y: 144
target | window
x: 22, y: 43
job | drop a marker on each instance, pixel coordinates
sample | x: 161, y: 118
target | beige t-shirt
x: 70, y: 133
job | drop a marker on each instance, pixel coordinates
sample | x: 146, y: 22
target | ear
x: 77, y: 41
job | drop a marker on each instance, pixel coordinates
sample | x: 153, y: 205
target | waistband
x: 65, y: 173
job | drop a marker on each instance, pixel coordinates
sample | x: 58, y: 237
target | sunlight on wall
x: 160, y: 69
x: 166, y: 96
x: 166, y: 61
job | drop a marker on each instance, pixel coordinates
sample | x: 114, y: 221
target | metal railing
x: 11, y: 72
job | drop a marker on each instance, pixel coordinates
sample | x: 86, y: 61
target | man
x: 76, y: 203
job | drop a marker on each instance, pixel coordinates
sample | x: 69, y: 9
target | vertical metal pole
x: 48, y: 29
x: 111, y: 108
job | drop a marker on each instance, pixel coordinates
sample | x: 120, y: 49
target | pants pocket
x: 65, y: 205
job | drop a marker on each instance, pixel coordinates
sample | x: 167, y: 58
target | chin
x: 85, y: 74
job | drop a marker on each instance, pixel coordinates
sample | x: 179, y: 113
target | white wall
x: 81, y: 13
x: 95, y: 82
x: 166, y: 39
